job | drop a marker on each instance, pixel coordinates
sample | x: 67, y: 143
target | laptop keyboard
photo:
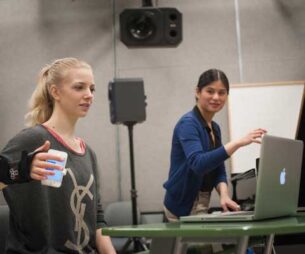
x: 233, y: 213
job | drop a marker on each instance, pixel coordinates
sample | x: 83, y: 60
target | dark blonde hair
x: 41, y: 103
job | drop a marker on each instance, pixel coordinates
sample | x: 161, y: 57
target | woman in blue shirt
x: 198, y: 155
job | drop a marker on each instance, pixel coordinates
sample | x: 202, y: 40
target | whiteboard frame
x: 249, y: 85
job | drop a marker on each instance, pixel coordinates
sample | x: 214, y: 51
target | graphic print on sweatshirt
x: 78, y: 194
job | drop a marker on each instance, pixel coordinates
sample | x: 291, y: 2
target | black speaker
x: 151, y: 27
x: 127, y: 100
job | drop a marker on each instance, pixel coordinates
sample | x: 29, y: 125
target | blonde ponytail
x: 41, y: 103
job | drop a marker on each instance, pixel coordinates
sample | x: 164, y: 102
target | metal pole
x: 269, y: 244
x: 242, y: 245
x: 133, y: 190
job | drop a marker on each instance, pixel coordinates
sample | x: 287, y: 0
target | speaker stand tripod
x: 138, y: 243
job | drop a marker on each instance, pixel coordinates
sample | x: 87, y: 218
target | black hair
x: 211, y: 76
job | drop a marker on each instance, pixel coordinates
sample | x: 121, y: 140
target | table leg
x: 163, y: 245
x: 242, y: 245
x: 168, y: 245
x: 269, y: 244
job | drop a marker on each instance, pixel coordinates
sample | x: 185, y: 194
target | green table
x: 166, y: 236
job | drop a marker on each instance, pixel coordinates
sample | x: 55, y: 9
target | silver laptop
x: 277, y: 187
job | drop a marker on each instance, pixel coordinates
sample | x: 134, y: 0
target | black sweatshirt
x: 45, y: 219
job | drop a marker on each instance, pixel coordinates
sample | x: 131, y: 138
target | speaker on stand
x: 127, y: 106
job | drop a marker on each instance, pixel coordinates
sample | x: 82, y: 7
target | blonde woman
x: 68, y: 219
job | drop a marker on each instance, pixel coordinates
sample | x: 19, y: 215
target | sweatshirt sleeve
x: 197, y: 159
x: 222, y: 175
x: 27, y: 140
x: 17, y: 155
x: 100, y: 221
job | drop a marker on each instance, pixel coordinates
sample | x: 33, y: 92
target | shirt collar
x: 201, y: 119
x: 205, y: 125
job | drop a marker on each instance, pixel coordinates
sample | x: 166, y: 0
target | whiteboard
x: 274, y: 107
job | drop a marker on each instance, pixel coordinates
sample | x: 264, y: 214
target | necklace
x: 71, y: 142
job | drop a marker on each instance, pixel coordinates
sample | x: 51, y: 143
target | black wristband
x: 16, y: 172
x: 4, y: 169
x: 6, y: 172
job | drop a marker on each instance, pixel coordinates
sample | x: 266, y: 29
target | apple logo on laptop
x: 283, y: 176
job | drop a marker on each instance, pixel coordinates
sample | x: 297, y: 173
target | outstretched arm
x: 31, y: 166
x: 252, y: 137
